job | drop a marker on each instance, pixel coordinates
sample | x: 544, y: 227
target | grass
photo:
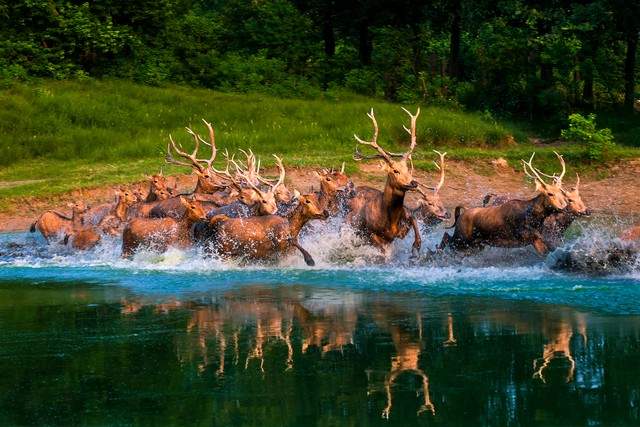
x: 56, y: 136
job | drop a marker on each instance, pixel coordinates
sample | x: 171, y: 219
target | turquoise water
x: 177, y: 339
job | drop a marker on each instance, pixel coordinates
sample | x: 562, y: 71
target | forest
x: 536, y: 60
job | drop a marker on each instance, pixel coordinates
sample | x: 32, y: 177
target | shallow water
x: 176, y: 339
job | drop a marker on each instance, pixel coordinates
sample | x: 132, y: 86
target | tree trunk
x: 546, y: 74
x: 327, y: 30
x: 365, y: 47
x: 629, y: 70
x: 587, y: 78
x: 455, y: 69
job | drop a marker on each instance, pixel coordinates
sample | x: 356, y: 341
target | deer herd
x: 235, y: 212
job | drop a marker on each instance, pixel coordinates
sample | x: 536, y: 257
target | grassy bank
x: 56, y: 136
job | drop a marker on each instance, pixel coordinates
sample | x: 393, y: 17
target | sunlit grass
x: 58, y: 136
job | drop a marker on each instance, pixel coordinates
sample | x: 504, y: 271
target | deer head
x: 430, y: 200
x: 311, y: 207
x: 194, y: 210
x: 399, y: 172
x: 552, y: 193
x: 332, y: 181
x: 575, y: 205
x: 125, y: 196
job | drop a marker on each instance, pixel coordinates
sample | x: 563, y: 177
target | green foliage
x: 517, y: 58
x: 599, y: 142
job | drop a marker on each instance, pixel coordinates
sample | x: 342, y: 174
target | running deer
x: 55, y: 225
x: 556, y: 224
x: 516, y: 223
x: 112, y: 223
x: 160, y: 233
x: 430, y: 210
x: 265, y: 237
x: 380, y: 216
x: 334, y: 191
x: 82, y: 235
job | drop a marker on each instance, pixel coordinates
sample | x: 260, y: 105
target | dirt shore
x: 465, y: 184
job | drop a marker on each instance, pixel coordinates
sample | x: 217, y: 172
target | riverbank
x: 466, y: 183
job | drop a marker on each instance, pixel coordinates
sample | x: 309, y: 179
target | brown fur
x: 265, y: 237
x: 161, y: 233
x: 52, y: 224
x: 516, y: 223
x: 113, y: 222
x: 332, y: 186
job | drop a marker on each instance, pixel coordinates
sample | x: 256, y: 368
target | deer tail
x: 32, y: 229
x: 459, y: 210
x: 487, y: 198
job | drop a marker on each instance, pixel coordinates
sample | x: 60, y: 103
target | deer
x: 53, y: 224
x: 381, y: 216
x: 264, y: 237
x: 556, y: 224
x: 430, y: 210
x: 112, y: 223
x: 160, y: 233
x: 335, y: 189
x: 516, y: 223
x: 143, y: 209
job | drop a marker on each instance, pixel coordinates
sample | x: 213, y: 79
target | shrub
x: 599, y: 142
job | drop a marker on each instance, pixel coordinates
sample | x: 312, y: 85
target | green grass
x: 72, y: 134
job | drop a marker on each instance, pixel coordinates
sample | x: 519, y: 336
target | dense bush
x: 599, y: 142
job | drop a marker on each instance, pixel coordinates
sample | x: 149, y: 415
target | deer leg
x: 379, y: 243
x: 306, y: 255
x: 540, y: 247
x: 417, y: 242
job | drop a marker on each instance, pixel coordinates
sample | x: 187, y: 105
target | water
x: 176, y: 339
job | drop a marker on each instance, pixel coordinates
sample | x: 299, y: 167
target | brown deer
x: 380, y: 216
x: 143, y: 209
x: 334, y: 186
x: 209, y: 181
x: 157, y: 182
x: 430, y: 210
x: 53, y: 224
x: 265, y: 237
x: 516, y: 223
x: 160, y: 233
x: 556, y: 224
x: 112, y: 223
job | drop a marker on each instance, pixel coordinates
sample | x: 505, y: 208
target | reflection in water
x: 298, y: 355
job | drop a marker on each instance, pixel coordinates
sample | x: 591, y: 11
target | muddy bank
x: 465, y: 184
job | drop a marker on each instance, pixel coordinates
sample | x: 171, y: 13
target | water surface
x: 176, y: 339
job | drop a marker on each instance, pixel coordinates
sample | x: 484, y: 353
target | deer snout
x: 412, y: 185
x: 587, y: 212
x: 325, y: 214
x: 447, y: 215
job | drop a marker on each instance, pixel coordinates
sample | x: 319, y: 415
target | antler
x: 373, y: 143
x: 282, y: 173
x: 536, y: 176
x: 441, y: 167
x: 412, y: 132
x: 211, y: 144
x: 557, y: 179
x: 342, y: 168
x: 170, y: 159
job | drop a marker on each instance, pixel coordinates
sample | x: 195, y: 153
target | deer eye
x: 396, y: 171
x: 328, y: 179
x: 550, y: 194
x: 308, y: 202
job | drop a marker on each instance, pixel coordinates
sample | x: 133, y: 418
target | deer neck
x: 393, y: 202
x: 121, y: 210
x: 77, y: 219
x: 538, y: 210
x: 297, y: 220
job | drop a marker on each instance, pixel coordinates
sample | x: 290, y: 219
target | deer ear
x: 316, y: 173
x: 183, y: 201
x: 382, y: 165
x: 296, y: 194
x: 70, y: 205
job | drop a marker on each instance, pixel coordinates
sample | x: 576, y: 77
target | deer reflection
x: 405, y: 361
x: 557, y: 350
x: 330, y: 327
x: 208, y: 322
x: 272, y: 322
